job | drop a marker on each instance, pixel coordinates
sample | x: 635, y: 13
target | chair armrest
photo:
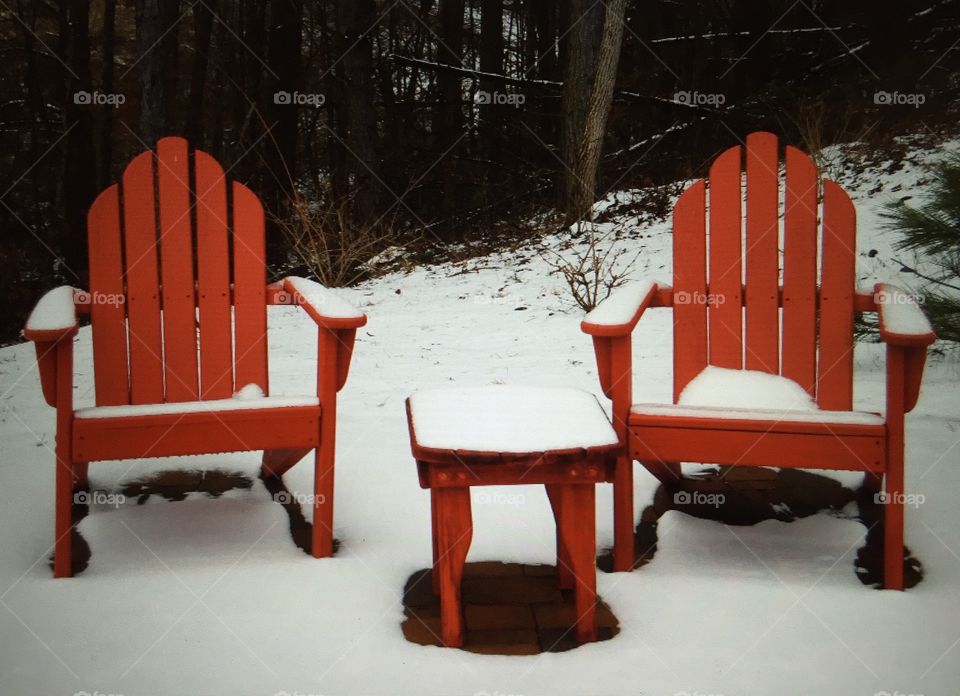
x: 620, y: 312
x: 53, y: 318
x: 320, y: 303
x: 902, y: 321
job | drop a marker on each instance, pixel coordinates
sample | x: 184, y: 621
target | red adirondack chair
x: 783, y: 323
x: 177, y: 304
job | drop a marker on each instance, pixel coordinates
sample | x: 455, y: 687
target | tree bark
x: 106, y: 82
x: 80, y: 170
x: 582, y: 172
x: 358, y: 116
x: 156, y: 53
x: 491, y: 61
x: 202, y: 32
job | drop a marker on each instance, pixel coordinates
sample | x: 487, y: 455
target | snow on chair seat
x: 719, y: 392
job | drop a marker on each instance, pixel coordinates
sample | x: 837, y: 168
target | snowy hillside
x: 211, y: 595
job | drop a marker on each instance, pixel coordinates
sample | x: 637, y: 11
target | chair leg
x: 322, y: 541
x: 893, y: 523
x: 564, y: 567
x: 81, y: 481
x: 454, y: 533
x: 63, y: 525
x: 623, y: 516
x: 434, y: 526
x: 577, y: 526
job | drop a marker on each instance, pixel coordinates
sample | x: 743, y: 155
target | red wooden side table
x: 505, y: 435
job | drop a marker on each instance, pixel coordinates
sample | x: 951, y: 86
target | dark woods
x: 430, y: 120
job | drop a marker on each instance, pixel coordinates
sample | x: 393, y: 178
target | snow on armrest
x: 323, y: 305
x: 902, y: 321
x: 620, y: 312
x: 54, y: 317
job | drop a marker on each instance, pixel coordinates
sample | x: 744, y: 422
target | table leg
x: 435, y: 573
x: 454, y: 532
x: 564, y: 567
x: 577, y: 526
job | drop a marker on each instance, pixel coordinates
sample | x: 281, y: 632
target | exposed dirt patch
x: 508, y: 608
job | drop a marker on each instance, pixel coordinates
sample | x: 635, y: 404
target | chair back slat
x: 689, y: 286
x: 184, y: 256
x: 725, y: 274
x: 837, y: 277
x: 176, y: 271
x: 799, y: 354
x: 108, y: 311
x: 249, y: 289
x: 143, y: 283
x: 213, y: 280
x: 797, y: 327
x: 762, y: 345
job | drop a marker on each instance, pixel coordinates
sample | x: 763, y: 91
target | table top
x: 500, y: 422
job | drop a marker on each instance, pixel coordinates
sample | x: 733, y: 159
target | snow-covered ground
x: 211, y: 596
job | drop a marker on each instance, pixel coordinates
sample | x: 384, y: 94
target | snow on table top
x: 719, y: 392
x: 54, y: 311
x: 620, y: 306
x: 509, y: 419
x: 901, y: 314
x: 324, y: 300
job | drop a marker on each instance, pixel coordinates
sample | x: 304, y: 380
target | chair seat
x: 196, y: 427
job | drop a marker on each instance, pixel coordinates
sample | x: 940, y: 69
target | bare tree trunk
x: 106, y: 82
x: 358, y: 122
x: 491, y: 61
x: 80, y: 170
x: 202, y: 31
x: 586, y: 142
x: 581, y: 45
x: 156, y: 53
x: 449, y: 122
